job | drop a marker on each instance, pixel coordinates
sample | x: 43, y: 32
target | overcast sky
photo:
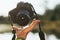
x: 39, y: 5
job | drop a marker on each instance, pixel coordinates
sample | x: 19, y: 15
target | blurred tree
x: 52, y: 15
x: 48, y: 14
x: 56, y: 14
x: 1, y: 18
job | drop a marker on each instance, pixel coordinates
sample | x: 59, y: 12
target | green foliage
x: 4, y: 19
x: 52, y: 15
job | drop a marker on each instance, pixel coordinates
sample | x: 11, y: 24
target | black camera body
x: 22, y: 14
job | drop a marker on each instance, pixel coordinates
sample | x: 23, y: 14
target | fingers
x: 36, y: 21
x: 15, y: 28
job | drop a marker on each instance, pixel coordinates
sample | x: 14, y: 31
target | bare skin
x: 22, y: 33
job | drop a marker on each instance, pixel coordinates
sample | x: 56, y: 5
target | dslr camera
x: 22, y: 14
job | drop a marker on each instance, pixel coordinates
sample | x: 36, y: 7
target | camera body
x: 22, y: 14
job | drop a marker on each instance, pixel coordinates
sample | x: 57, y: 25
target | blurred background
x: 49, y: 14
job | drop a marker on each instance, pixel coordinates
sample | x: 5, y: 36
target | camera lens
x: 22, y: 20
x: 22, y: 17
